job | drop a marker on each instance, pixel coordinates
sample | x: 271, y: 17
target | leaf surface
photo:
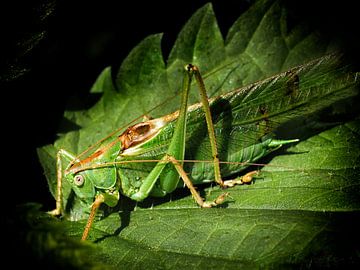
x: 299, y: 210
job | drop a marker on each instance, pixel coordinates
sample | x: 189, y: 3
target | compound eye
x: 79, y: 180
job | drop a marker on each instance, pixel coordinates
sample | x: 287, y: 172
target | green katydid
x: 118, y: 165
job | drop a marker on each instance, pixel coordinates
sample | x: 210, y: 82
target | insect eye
x: 79, y: 180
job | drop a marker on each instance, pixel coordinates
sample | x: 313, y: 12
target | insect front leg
x: 61, y: 154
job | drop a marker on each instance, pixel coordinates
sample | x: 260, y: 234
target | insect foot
x: 55, y: 212
x: 245, y: 179
x: 217, y: 201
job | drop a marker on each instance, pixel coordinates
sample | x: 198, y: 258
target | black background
x: 81, y: 39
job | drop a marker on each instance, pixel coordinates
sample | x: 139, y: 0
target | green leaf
x: 302, y: 209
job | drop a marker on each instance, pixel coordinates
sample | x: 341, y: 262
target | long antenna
x: 117, y: 130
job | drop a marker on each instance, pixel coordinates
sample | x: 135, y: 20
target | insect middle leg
x: 173, y: 177
x: 199, y: 200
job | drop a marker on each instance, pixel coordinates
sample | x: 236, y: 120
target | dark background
x: 80, y: 39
